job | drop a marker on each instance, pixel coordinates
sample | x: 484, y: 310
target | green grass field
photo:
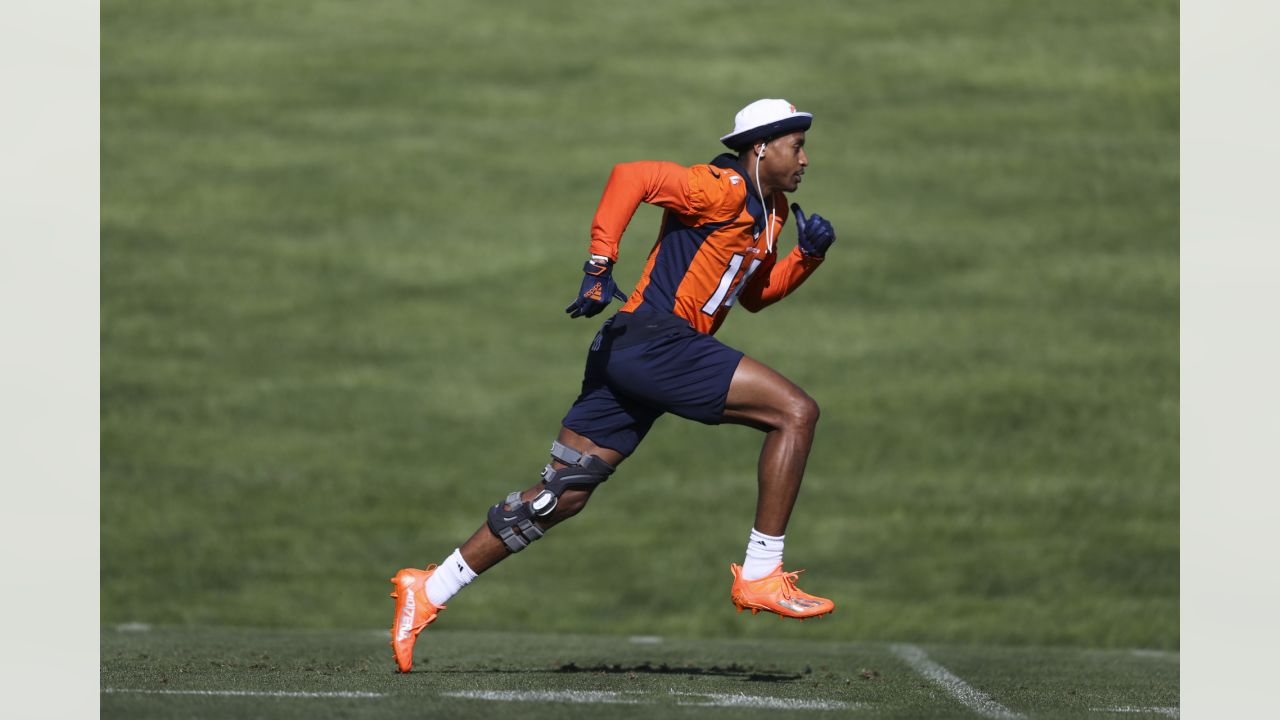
x: 235, y: 673
x: 337, y: 240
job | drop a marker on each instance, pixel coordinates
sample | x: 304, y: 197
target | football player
x: 717, y: 248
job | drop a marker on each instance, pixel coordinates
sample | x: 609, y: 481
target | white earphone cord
x: 768, y: 221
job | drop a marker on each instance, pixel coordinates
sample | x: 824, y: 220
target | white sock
x: 764, y: 553
x: 450, y: 576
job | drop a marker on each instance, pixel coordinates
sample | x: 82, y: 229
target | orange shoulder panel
x: 699, y: 194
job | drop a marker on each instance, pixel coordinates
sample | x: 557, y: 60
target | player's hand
x: 597, y: 291
x: 814, y: 234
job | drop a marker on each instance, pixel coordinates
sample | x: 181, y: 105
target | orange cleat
x: 776, y: 593
x: 414, y: 612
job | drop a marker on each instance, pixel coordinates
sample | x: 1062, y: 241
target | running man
x: 717, y: 248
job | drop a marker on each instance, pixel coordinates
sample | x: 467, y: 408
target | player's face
x: 784, y: 162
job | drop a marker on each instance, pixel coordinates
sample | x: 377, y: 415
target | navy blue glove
x: 813, y: 234
x: 598, y: 290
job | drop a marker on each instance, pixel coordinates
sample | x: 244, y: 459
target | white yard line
x: 733, y: 700
x: 248, y: 693
x: 1166, y: 711
x: 569, y: 696
x: 1161, y: 654
x: 760, y: 701
x: 645, y: 639
x: 968, y: 696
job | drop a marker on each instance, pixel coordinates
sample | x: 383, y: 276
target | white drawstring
x: 768, y: 221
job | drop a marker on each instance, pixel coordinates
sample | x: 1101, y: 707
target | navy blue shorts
x: 643, y: 365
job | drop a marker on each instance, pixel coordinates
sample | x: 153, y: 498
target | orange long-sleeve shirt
x: 712, y: 250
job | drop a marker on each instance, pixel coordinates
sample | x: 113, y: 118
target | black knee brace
x: 512, y: 520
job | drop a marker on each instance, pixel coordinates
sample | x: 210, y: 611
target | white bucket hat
x: 765, y: 118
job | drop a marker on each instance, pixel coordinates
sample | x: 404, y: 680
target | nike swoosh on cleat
x: 794, y: 604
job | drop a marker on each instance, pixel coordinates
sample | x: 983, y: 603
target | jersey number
x: 718, y: 299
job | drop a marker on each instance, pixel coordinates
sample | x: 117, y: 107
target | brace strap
x: 514, y: 524
x: 589, y: 471
x: 512, y: 520
x: 564, y: 453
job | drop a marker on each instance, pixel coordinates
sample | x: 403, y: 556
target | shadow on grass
x: 733, y: 670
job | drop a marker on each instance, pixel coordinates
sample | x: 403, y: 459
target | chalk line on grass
x: 1166, y: 711
x: 966, y: 694
x: 569, y: 696
x: 1159, y: 654
x: 761, y: 701
x: 607, y: 697
x: 248, y: 693
x: 636, y: 697
x: 646, y: 639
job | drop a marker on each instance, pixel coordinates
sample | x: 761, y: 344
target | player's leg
x: 602, y: 427
x: 577, y: 466
x: 484, y: 550
x: 599, y: 431
x: 762, y: 398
